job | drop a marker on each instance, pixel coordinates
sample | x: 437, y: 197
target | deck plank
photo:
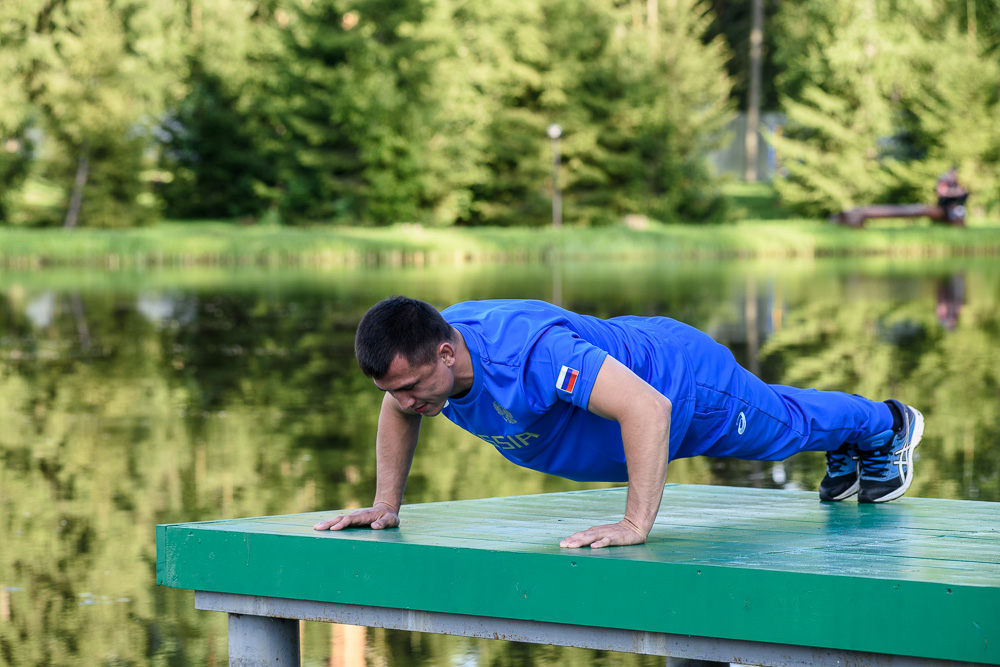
x: 745, y: 564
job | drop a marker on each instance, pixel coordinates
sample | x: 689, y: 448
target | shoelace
x: 839, y: 463
x: 877, y: 462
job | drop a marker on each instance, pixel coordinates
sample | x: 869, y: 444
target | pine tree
x: 840, y: 113
x: 213, y: 136
x: 93, y: 75
x: 372, y: 118
x: 732, y: 20
x: 217, y: 169
x: 629, y: 91
x: 880, y: 101
x: 15, y: 112
x: 953, y: 115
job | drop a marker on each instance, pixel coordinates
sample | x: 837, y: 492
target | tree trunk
x: 970, y: 24
x: 753, y: 99
x: 82, y: 330
x: 76, y: 200
x: 653, y: 24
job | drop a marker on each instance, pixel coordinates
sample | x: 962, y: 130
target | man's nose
x: 405, y: 400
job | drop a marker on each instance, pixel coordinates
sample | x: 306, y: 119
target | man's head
x: 408, y: 349
x: 399, y: 326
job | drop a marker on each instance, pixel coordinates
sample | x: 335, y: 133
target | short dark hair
x: 398, y: 325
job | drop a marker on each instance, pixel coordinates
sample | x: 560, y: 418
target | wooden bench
x: 856, y: 217
x: 728, y: 574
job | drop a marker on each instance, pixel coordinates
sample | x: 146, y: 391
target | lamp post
x: 554, y: 132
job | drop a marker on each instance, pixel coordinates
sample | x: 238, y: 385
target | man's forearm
x: 644, y: 416
x: 647, y: 451
x: 394, y: 446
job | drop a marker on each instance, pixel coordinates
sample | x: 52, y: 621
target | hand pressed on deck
x: 610, y: 535
x: 377, y: 517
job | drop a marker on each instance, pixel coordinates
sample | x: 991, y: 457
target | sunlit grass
x: 764, y: 230
x: 172, y: 244
x: 754, y: 201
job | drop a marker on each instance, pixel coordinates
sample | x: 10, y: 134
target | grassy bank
x: 766, y: 231
x: 178, y: 244
x: 173, y: 244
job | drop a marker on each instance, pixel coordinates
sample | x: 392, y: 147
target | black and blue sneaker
x: 887, y: 469
x: 841, y: 480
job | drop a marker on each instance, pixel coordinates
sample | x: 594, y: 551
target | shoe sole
x: 847, y: 493
x: 918, y: 433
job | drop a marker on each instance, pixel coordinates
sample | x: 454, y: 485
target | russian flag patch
x: 567, y: 379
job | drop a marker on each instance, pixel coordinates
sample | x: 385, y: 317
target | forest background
x: 118, y: 113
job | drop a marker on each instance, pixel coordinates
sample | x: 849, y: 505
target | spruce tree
x: 93, y: 75
x: 370, y: 124
x: 953, y: 115
x: 839, y: 107
x: 630, y: 93
x: 15, y: 112
x: 880, y: 101
x: 213, y: 135
x: 217, y: 168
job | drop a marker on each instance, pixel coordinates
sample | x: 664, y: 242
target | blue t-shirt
x: 534, y: 368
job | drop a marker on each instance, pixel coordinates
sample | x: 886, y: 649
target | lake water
x: 128, y: 400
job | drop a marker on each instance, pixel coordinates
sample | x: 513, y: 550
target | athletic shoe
x: 886, y: 472
x: 841, y: 479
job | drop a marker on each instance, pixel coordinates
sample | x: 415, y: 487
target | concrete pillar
x: 256, y: 641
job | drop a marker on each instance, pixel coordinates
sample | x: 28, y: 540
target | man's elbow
x: 658, y: 411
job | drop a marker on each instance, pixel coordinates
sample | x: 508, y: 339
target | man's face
x: 422, y: 389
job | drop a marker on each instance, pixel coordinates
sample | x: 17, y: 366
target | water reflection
x: 133, y: 399
x: 950, y: 299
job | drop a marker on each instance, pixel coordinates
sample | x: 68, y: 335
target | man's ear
x: 446, y: 353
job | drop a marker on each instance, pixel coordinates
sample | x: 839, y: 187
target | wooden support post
x: 257, y: 641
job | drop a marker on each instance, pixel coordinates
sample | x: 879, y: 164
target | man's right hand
x: 378, y: 517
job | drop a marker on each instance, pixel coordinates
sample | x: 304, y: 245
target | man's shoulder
x: 498, y: 306
x: 504, y: 331
x: 506, y: 314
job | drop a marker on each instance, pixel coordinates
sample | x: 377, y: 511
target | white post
x: 554, y: 132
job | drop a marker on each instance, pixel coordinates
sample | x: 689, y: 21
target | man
x: 611, y: 400
x: 951, y: 196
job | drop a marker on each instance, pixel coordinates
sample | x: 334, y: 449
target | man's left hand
x: 613, y: 534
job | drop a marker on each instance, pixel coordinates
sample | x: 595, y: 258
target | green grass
x: 755, y: 201
x: 765, y: 231
x: 224, y: 244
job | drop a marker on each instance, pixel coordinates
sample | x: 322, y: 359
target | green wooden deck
x: 915, y: 577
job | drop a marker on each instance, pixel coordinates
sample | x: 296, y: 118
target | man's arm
x: 644, y: 416
x: 394, y: 446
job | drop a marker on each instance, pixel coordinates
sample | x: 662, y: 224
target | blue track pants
x: 738, y: 415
